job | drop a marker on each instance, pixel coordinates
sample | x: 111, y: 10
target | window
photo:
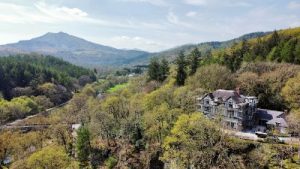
x: 232, y: 125
x: 230, y: 105
x: 206, y: 101
x: 207, y: 109
x: 230, y: 114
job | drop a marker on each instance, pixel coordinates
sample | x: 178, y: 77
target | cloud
x: 135, y: 42
x: 12, y: 13
x: 191, y: 14
x: 217, y: 3
x: 62, y: 13
x: 42, y: 12
x: 196, y: 2
x: 294, y: 5
x: 152, y: 2
x: 173, y: 19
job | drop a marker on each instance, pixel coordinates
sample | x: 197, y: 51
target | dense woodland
x: 151, y: 121
x: 33, y: 83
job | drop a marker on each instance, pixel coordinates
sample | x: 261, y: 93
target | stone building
x: 236, y: 110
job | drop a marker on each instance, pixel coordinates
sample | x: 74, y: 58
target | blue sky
x: 151, y: 25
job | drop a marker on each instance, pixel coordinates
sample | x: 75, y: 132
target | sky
x: 151, y: 25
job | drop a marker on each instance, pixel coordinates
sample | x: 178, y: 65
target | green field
x: 117, y: 87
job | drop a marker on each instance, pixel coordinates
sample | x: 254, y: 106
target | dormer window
x: 206, y: 101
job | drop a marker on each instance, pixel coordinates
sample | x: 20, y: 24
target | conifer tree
x: 153, y: 70
x: 287, y: 54
x: 163, y: 70
x: 194, y: 62
x: 83, y: 146
x: 181, y: 69
x: 274, y: 40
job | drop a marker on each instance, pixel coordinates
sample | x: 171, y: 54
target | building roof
x: 226, y: 94
x: 272, y: 117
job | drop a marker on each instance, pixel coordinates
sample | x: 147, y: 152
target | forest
x: 150, y: 120
x: 33, y: 83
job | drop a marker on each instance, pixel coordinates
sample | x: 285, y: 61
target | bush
x: 111, y: 162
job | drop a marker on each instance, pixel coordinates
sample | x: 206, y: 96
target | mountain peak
x: 76, y: 50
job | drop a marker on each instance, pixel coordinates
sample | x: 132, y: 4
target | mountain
x: 171, y: 54
x: 75, y: 50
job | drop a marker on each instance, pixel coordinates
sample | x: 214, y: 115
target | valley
x: 149, y: 116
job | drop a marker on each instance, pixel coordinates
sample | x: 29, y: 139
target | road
x: 14, y: 124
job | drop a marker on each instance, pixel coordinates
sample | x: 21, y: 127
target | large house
x: 240, y: 112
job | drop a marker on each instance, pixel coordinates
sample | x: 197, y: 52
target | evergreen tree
x: 153, y: 70
x: 83, y: 146
x: 245, y: 47
x: 287, y: 54
x: 163, y: 70
x: 181, y: 69
x: 194, y: 62
x: 297, y: 53
x: 274, y: 40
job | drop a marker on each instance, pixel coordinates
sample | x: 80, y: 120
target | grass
x: 117, y: 87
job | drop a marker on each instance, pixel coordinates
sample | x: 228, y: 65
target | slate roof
x: 272, y: 117
x: 226, y: 94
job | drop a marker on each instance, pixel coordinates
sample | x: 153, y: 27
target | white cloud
x: 62, y: 13
x: 153, y: 2
x: 73, y: 11
x: 218, y: 3
x: 42, y: 12
x: 196, y: 2
x: 173, y: 19
x: 12, y: 13
x: 294, y: 5
x: 191, y: 14
x: 127, y: 42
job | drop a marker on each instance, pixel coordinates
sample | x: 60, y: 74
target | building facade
x: 240, y: 112
x: 235, y: 109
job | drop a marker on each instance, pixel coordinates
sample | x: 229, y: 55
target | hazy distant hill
x: 85, y: 53
x: 206, y: 46
x: 75, y: 50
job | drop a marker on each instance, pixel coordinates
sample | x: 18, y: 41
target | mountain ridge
x: 89, y: 54
x: 73, y: 49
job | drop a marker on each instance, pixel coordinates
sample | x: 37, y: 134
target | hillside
x: 280, y: 46
x: 75, y: 50
x: 153, y: 120
x: 207, y: 46
x: 26, y: 72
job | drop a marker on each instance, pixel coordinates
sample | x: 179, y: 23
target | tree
x: 51, y: 157
x: 245, y: 47
x: 287, y: 54
x: 212, y: 77
x: 291, y: 92
x: 248, y: 82
x: 158, y: 71
x: 194, y: 62
x: 181, y: 69
x: 159, y: 121
x: 297, y: 52
x: 163, y: 70
x: 153, y: 69
x: 83, y: 146
x: 195, y: 142
x: 274, y: 40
